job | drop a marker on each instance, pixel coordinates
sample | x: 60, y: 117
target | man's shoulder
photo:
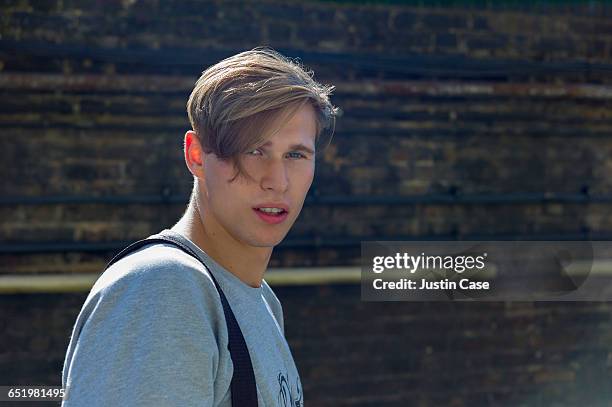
x: 154, y: 264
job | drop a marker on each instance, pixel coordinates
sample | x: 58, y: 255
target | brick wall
x: 352, y: 353
x: 490, y: 121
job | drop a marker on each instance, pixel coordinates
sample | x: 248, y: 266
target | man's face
x: 282, y: 171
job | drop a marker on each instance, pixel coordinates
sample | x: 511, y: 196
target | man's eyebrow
x: 298, y: 147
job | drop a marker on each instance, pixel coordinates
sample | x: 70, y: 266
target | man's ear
x: 194, y: 157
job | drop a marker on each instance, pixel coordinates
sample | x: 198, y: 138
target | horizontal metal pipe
x: 82, y: 282
x: 301, y: 276
x: 450, y: 198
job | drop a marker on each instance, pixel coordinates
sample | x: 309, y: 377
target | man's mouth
x: 271, y: 214
x: 271, y: 211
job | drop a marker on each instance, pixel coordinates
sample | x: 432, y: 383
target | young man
x: 152, y: 331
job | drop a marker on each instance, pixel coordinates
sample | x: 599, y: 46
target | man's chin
x: 268, y: 241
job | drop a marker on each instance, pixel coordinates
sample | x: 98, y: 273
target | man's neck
x: 245, y: 262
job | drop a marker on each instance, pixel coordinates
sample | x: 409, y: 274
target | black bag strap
x: 244, y: 390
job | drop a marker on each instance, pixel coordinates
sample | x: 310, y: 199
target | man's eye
x: 298, y: 155
x: 254, y: 152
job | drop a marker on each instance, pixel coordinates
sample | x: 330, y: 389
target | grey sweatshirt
x: 152, y: 333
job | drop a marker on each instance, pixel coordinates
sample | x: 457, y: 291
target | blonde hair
x: 237, y: 101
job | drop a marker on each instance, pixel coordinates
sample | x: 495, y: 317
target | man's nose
x: 275, y: 175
